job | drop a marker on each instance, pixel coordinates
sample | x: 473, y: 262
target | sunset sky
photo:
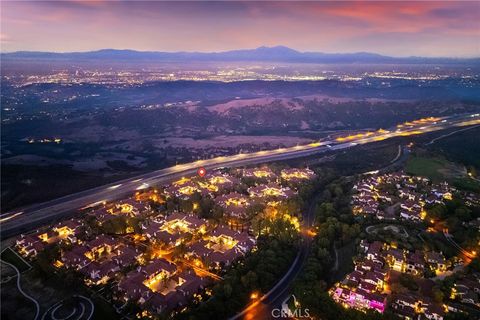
x: 392, y: 27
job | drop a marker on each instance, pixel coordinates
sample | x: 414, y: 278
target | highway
x: 27, y: 218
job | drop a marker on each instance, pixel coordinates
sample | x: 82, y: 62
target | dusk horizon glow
x: 429, y: 28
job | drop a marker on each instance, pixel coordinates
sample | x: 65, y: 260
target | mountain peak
x: 277, y: 49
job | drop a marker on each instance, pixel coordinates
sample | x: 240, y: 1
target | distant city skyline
x: 417, y: 28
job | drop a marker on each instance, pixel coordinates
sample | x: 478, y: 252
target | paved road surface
x: 28, y: 218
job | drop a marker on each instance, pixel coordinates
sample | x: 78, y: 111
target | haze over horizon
x: 397, y: 29
x: 271, y: 48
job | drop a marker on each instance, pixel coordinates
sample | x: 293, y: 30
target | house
x: 198, y: 252
x: 406, y: 300
x: 373, y: 278
x: 434, y: 312
x: 184, y: 190
x: 404, y: 306
x: 131, y: 288
x: 406, y: 312
x: 410, y: 205
x: 191, y: 283
x: 159, y: 286
x: 75, y: 258
x: 226, y: 246
x: 48, y: 236
x: 367, y: 265
x: 367, y: 286
x: 218, y: 260
x: 100, y: 273
x: 396, y: 259
x: 29, y: 245
x: 174, y: 228
x: 260, y: 173
x: 157, y: 303
x: 405, y: 193
x: 218, y: 182
x: 272, y: 191
x: 410, y: 306
x: 413, y: 215
x: 100, y: 247
x: 359, y: 299
x: 234, y: 204
x: 139, y: 285
x: 436, y: 260
x: 364, y: 245
x: 432, y: 199
x: 355, y: 276
x: 126, y: 256
x: 68, y: 230
x: 128, y: 207
x: 181, y: 223
x: 297, y: 175
x: 415, y: 263
x: 147, y: 196
x: 373, y: 252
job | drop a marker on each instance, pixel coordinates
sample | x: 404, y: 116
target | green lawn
x: 438, y: 169
x: 427, y: 167
x: 467, y: 184
x: 435, y: 168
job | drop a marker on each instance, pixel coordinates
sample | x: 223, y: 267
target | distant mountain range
x: 261, y: 54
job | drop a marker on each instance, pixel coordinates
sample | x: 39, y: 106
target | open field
x: 11, y: 257
x: 435, y: 168
x: 439, y: 169
x: 462, y: 147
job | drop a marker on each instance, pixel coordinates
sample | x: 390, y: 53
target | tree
x: 255, y: 209
x: 475, y: 265
x: 249, y: 280
x: 437, y: 294
x: 408, y: 281
x: 463, y: 213
x: 227, y: 290
x: 437, y: 212
x: 206, y: 206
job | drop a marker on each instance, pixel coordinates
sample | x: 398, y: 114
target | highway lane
x: 28, y: 218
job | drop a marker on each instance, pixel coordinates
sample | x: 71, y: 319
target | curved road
x: 37, y: 306
x: 83, y: 309
x: 28, y: 218
x: 261, y: 309
x: 449, y: 134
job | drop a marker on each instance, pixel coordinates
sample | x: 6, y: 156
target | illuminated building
x: 260, y: 173
x: 297, y: 175
x: 270, y: 191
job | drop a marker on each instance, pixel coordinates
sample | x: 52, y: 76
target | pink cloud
x: 214, y: 26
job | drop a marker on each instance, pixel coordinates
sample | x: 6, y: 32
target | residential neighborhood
x: 380, y: 267
x: 153, y: 253
x: 397, y: 195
